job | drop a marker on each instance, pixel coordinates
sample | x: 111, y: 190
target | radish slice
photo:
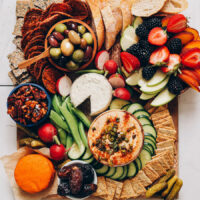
x: 63, y: 85
x: 101, y: 58
x: 117, y: 81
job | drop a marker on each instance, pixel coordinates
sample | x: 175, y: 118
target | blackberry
x: 175, y: 85
x: 142, y: 31
x: 133, y: 49
x: 144, y: 55
x: 63, y: 189
x: 152, y: 23
x: 146, y: 45
x: 175, y: 46
x: 148, y: 72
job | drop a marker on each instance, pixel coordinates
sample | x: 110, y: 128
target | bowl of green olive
x: 72, y: 44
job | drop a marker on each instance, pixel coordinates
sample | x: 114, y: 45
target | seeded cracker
x: 22, y: 6
x: 15, y: 58
x: 101, y: 187
x: 18, y: 26
x: 143, y: 179
x: 42, y: 4
x: 127, y: 190
x: 111, y: 187
x: 17, y: 42
x: 150, y: 173
x: 19, y: 72
x: 12, y: 77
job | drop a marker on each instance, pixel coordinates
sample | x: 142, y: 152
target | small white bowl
x: 79, y: 162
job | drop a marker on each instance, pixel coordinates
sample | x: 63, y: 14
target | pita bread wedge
x: 171, y: 149
x: 150, y: 173
x: 144, y: 180
x: 112, y: 18
x: 168, y: 132
x: 161, y: 108
x: 161, y: 121
x: 162, y: 161
x: 163, y: 138
x: 101, y: 187
x: 174, y: 6
x: 155, y: 164
x: 146, y: 8
x: 137, y: 186
x: 167, y: 143
x: 127, y: 190
x: 98, y: 22
x: 111, y: 187
x: 160, y: 115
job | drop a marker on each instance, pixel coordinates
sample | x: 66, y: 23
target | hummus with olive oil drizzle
x: 115, y: 138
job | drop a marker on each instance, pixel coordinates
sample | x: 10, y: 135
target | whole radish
x: 48, y: 133
x: 57, y: 152
x: 110, y: 67
x: 122, y: 93
x: 117, y: 81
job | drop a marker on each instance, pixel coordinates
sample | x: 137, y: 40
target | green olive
x: 72, y: 66
x: 60, y: 28
x: 88, y: 37
x: 78, y: 55
x: 55, y: 53
x: 74, y: 37
x: 67, y: 47
x: 81, y: 29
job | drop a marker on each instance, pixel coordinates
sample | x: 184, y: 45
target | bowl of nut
x: 72, y: 44
x: 28, y: 104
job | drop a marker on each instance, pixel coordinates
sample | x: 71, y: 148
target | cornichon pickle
x: 175, y: 190
x: 169, y: 174
x: 37, y: 144
x: 155, y: 188
x: 170, y: 184
x: 25, y: 141
x: 27, y: 131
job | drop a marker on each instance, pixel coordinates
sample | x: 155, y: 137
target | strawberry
x: 129, y: 61
x: 191, y: 58
x: 159, y: 55
x: 177, y: 23
x: 173, y: 63
x: 157, y: 36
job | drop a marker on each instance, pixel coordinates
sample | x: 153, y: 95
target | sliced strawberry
x: 173, y: 63
x: 165, y: 21
x: 157, y: 36
x: 129, y: 61
x: 191, y: 58
x: 159, y: 55
x: 177, y: 23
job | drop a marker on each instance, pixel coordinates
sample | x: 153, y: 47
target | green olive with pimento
x: 71, y: 45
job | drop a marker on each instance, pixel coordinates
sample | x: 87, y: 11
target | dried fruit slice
x: 191, y: 45
x: 193, y: 31
x: 185, y: 37
x: 191, y: 73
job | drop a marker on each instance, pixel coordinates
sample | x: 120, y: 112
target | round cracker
x: 146, y: 8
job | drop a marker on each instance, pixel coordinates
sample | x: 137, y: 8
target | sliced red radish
x: 63, y: 85
x: 110, y: 67
x: 117, y: 81
x: 122, y: 93
x: 101, y: 58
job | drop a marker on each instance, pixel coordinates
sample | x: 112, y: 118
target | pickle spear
x: 169, y: 174
x: 155, y: 188
x: 170, y: 184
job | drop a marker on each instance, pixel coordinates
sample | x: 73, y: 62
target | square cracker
x: 111, y: 187
x: 168, y: 143
x: 12, y: 77
x: 163, y: 162
x: 137, y: 186
x: 161, y: 108
x: 22, y: 6
x: 151, y: 110
x: 15, y: 58
x: 171, y: 149
x: 160, y: 115
x: 150, y: 173
x: 118, y: 188
x: 163, y: 138
x: 18, y: 27
x: 17, y: 42
x: 144, y: 180
x: 161, y: 120
x: 101, y: 187
x: 40, y: 4
x: 170, y: 132
x: 155, y: 164
x: 127, y: 190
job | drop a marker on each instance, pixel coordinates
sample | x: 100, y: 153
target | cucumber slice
x: 133, y: 79
x: 149, y: 148
x: 119, y: 172
x: 138, y: 163
x: 90, y: 160
x: 149, y: 129
x: 97, y: 165
x: 128, y: 38
x: 163, y: 98
x: 75, y: 152
x: 150, y: 142
x: 158, y: 78
x: 145, y: 97
x: 111, y: 172
x: 87, y: 155
x: 145, y: 156
x: 141, y: 113
x: 124, y: 174
x: 154, y: 90
x: 150, y: 137
x: 144, y: 121
x: 125, y: 107
x: 135, y: 107
x: 137, y: 21
x: 132, y: 170
x: 118, y: 104
x: 103, y: 170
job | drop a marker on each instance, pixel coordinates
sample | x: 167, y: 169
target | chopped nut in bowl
x: 28, y: 104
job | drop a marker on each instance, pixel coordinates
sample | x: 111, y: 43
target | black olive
x: 62, y: 61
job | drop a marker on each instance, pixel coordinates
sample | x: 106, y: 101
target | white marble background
x: 189, y: 111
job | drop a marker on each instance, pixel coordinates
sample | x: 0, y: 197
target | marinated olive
x: 58, y: 36
x: 74, y: 37
x: 81, y: 29
x: 67, y: 47
x: 78, y: 55
x: 88, y: 54
x: 64, y: 173
x: 62, y: 61
x: 72, y: 26
x: 66, y: 32
x: 88, y: 37
x: 72, y: 66
x: 52, y: 41
x: 55, y: 53
x: 63, y: 189
x: 83, y: 44
x: 60, y: 28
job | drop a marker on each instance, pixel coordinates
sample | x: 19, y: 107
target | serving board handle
x: 30, y: 61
